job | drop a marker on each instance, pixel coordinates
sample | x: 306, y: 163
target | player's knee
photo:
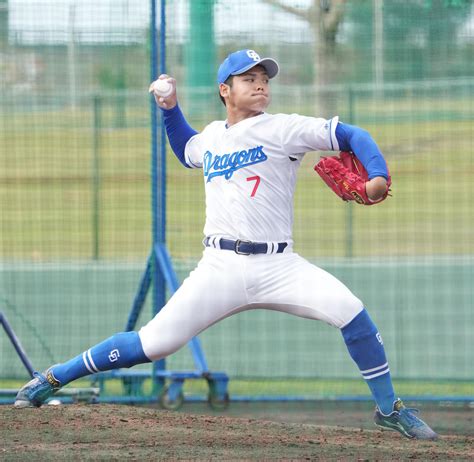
x: 157, y: 345
x: 361, y: 326
x: 348, y: 308
x: 365, y: 344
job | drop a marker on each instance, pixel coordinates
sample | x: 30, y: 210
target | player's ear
x: 224, y: 90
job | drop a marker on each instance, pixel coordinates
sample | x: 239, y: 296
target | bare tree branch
x: 329, y: 15
x: 324, y: 18
x: 333, y: 18
x: 288, y: 9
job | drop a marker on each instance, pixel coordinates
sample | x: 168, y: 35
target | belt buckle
x: 238, y: 242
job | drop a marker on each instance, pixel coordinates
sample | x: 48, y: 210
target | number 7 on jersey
x: 257, y: 182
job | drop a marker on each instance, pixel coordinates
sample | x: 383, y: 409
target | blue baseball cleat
x: 37, y: 390
x: 404, y: 420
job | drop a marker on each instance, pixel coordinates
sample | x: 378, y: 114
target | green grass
x: 308, y: 388
x: 47, y: 194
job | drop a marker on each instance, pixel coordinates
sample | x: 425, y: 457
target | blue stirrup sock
x: 366, y: 348
x: 121, y: 350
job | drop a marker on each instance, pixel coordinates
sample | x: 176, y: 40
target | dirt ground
x: 119, y: 432
x: 445, y: 418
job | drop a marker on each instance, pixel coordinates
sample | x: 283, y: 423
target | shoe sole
x: 406, y: 435
x: 397, y: 429
x: 22, y: 404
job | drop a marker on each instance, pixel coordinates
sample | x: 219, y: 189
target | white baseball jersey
x: 250, y: 172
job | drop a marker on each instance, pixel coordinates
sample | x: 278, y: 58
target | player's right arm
x: 179, y: 132
x: 177, y: 128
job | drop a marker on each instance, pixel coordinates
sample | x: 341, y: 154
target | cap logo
x: 253, y: 55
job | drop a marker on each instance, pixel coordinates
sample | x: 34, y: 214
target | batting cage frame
x: 159, y: 274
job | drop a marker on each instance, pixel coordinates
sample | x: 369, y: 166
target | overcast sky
x: 126, y: 21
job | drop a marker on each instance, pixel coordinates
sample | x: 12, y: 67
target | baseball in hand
x: 162, y: 88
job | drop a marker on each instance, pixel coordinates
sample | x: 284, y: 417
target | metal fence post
x: 97, y: 121
x: 349, y: 246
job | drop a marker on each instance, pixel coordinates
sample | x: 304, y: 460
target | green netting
x: 75, y: 217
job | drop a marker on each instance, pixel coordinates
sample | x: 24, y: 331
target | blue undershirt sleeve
x: 359, y: 141
x: 178, y: 130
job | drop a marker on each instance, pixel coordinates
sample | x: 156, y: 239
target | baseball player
x: 249, y: 164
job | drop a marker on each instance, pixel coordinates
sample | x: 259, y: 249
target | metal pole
x: 349, y: 230
x: 162, y: 230
x: 71, y: 54
x: 158, y: 173
x: 201, y: 48
x: 16, y: 344
x: 378, y: 46
x: 349, y: 252
x: 96, y: 178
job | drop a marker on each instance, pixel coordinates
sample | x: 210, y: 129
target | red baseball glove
x: 346, y: 176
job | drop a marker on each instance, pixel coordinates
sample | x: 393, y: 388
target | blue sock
x: 366, y: 349
x: 120, y: 350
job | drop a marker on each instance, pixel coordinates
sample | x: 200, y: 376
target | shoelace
x: 407, y: 413
x: 40, y: 377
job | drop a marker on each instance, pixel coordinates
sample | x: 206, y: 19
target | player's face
x: 249, y: 91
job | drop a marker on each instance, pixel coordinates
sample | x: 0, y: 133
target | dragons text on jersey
x: 227, y: 164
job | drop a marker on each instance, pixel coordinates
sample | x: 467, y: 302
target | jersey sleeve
x: 192, y: 152
x: 195, y: 147
x: 300, y: 134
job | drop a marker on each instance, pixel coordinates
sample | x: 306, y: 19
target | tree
x: 324, y: 17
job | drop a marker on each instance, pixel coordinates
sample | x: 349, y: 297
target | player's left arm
x: 359, y: 141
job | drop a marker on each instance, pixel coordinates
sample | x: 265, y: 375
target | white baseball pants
x: 225, y: 283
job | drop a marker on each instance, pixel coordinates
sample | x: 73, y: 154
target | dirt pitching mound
x: 113, y: 432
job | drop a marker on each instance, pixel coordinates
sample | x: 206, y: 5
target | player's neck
x: 234, y: 117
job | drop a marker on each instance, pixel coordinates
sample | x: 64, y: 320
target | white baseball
x: 162, y: 88
x: 54, y: 402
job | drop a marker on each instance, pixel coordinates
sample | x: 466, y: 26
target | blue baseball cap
x: 243, y: 60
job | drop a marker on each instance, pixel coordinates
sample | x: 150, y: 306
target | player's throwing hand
x: 164, y: 91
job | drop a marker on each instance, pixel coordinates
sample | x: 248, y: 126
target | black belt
x: 245, y: 247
